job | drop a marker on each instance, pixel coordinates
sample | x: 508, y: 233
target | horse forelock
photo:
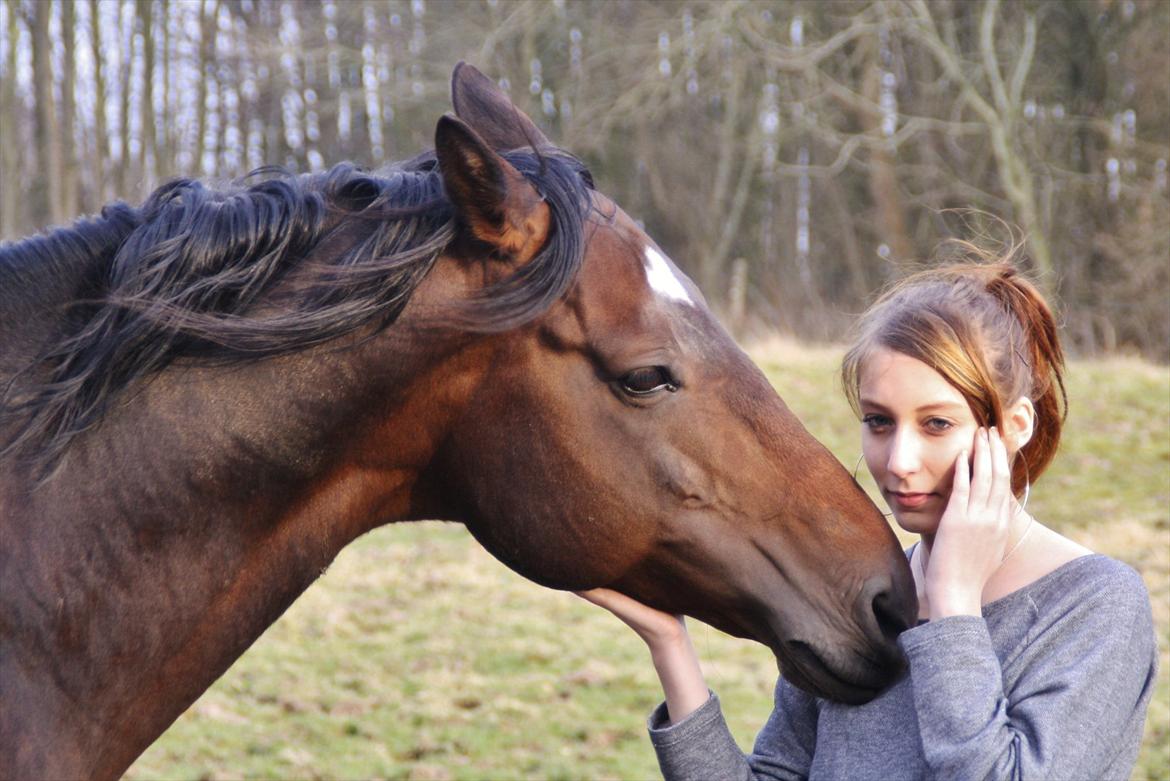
x: 234, y: 275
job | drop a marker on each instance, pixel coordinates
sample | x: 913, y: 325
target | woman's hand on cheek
x: 973, y: 531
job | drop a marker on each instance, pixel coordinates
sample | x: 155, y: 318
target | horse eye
x: 647, y: 380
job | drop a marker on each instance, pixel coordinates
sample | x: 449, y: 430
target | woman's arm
x: 1076, y: 684
x: 1068, y: 702
x: 691, y: 739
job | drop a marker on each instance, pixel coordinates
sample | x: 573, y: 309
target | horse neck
x: 187, y: 523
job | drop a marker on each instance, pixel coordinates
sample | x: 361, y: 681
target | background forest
x: 792, y: 156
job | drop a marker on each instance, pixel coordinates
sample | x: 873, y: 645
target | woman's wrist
x: 954, y: 602
x: 670, y: 649
x: 667, y: 638
x: 681, y: 676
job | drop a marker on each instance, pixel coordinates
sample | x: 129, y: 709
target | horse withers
x: 208, y: 396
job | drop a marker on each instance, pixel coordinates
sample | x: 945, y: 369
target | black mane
x: 221, y: 276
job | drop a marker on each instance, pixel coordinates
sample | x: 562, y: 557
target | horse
x: 206, y: 397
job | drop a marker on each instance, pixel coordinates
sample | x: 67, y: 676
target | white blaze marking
x: 663, y: 279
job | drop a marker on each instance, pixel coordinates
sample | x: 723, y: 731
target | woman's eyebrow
x: 935, y: 407
x: 941, y: 405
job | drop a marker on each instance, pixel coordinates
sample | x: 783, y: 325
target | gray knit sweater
x: 1051, y: 683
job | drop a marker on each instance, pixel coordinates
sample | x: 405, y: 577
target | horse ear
x: 494, y: 202
x: 485, y: 107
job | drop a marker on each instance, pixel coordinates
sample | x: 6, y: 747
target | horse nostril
x: 883, y: 614
x: 890, y: 620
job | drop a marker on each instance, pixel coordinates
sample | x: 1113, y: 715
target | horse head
x: 622, y: 439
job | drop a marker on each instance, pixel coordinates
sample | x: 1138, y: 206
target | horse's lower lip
x: 815, y: 676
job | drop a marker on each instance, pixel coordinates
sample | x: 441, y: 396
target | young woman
x: 1033, y: 657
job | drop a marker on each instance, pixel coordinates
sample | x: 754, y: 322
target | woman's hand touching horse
x: 670, y: 646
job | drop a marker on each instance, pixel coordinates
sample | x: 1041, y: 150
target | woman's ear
x: 1019, y: 424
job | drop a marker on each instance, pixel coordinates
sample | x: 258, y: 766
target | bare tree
x: 165, y: 161
x: 101, y: 133
x: 47, y: 191
x: 208, y: 10
x: 878, y: 115
x: 71, y: 173
x: 125, y: 75
x: 998, y: 105
x: 148, y: 151
x: 10, y: 115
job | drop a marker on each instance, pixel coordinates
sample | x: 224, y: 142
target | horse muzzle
x: 855, y: 667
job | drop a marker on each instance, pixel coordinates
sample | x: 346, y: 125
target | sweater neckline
x: 1043, y: 580
x: 997, y: 604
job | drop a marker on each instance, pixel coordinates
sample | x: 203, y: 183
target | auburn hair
x: 989, y: 332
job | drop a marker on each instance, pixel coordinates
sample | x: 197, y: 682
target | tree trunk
x: 731, y: 150
x: 148, y: 152
x: 883, y: 172
x: 101, y: 141
x: 207, y: 29
x: 10, y: 201
x: 125, y: 176
x: 276, y: 149
x: 164, y: 164
x: 47, y: 197
x: 72, y: 175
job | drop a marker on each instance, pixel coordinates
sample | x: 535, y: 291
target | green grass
x: 419, y: 656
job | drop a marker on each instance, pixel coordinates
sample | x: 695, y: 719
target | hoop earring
x: 1027, y: 485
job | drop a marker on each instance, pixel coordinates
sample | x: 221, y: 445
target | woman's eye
x: 647, y: 380
x: 938, y: 425
x: 875, y: 422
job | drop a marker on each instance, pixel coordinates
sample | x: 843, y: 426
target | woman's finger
x: 961, y: 483
x: 642, y: 618
x: 1001, y: 484
x: 980, y: 471
x: 611, y: 600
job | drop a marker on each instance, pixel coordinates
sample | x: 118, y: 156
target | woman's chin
x: 916, y: 522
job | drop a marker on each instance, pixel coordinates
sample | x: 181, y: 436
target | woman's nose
x: 905, y: 455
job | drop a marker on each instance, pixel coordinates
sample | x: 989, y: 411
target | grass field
x: 419, y: 656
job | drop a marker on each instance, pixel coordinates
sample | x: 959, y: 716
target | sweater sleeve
x: 701, y: 747
x: 1084, y: 676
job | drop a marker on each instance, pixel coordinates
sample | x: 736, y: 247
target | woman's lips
x: 908, y: 501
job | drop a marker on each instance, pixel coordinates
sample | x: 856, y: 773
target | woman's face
x: 914, y: 425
